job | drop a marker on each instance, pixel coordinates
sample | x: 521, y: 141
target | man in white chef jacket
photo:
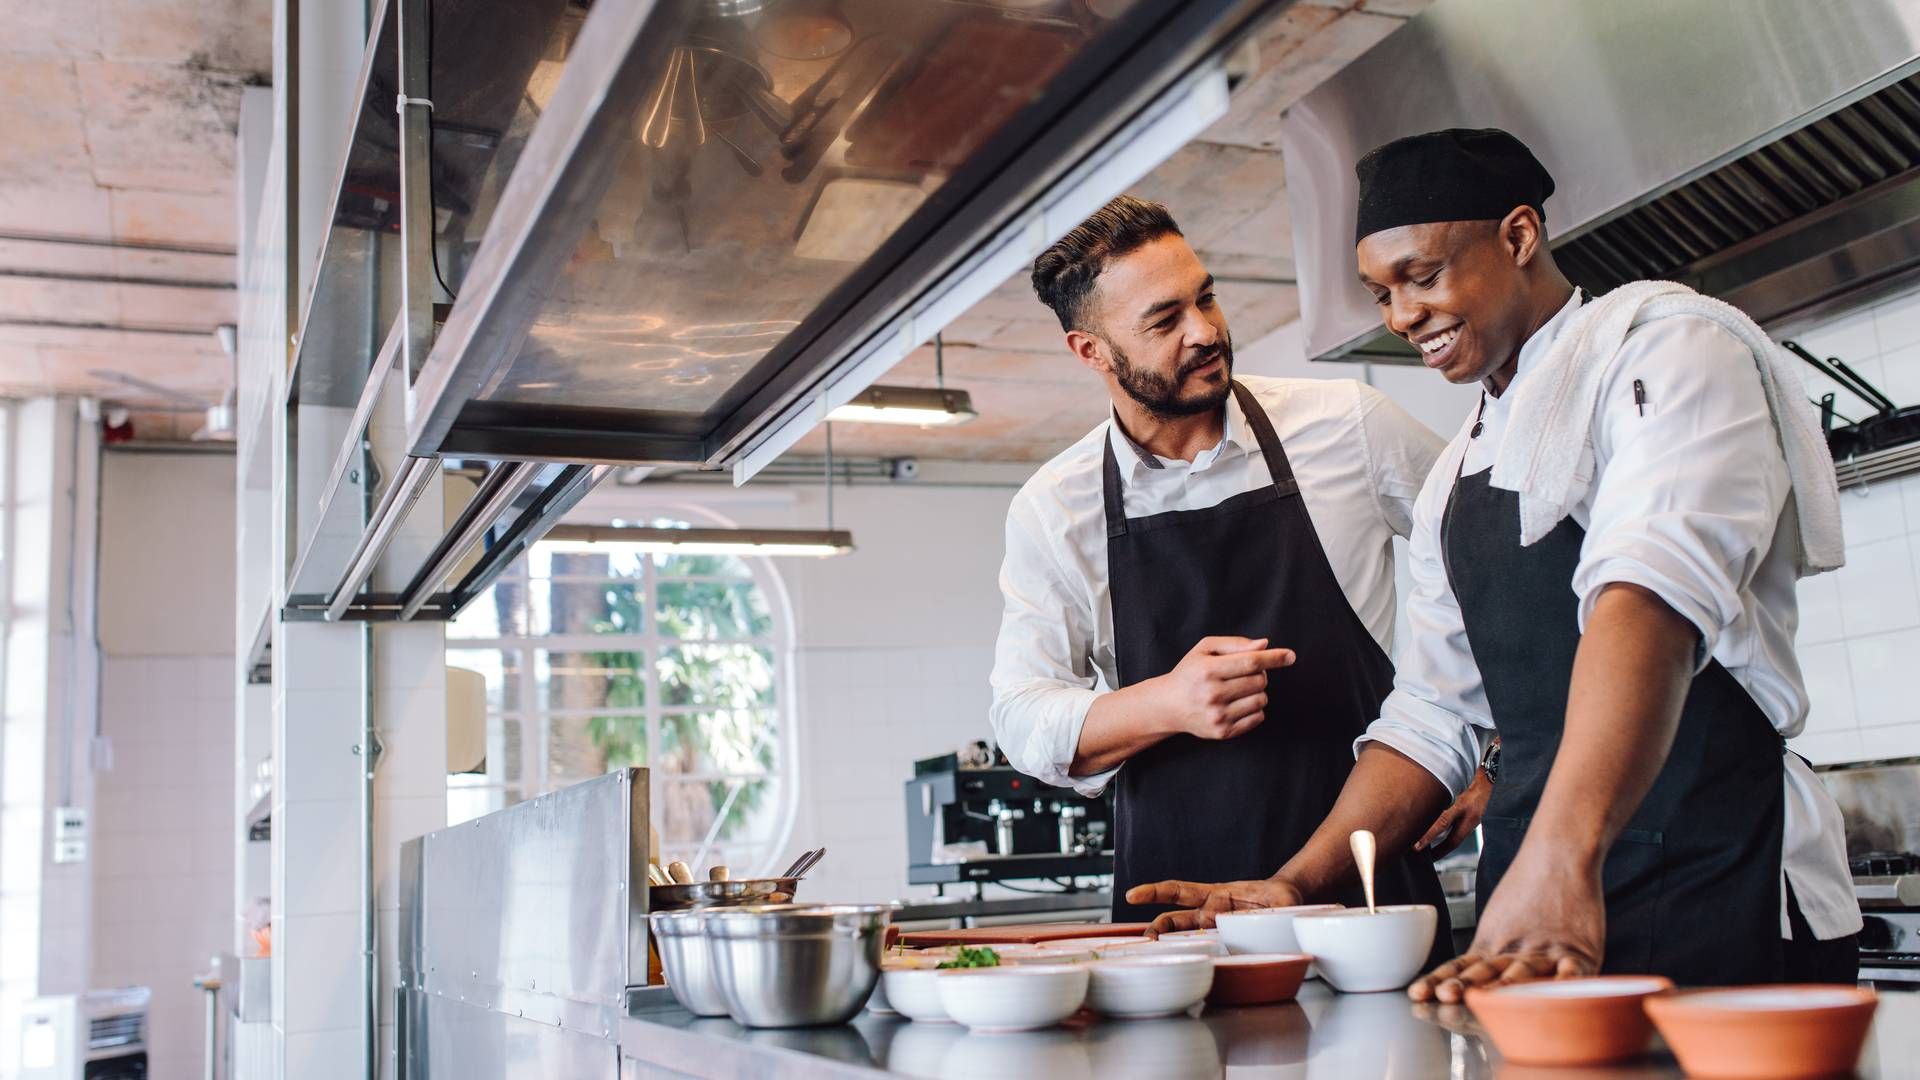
x: 1604, y: 564
x: 1199, y: 593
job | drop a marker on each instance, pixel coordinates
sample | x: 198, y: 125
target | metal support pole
x: 210, y: 984
x: 369, y: 751
x: 416, y: 194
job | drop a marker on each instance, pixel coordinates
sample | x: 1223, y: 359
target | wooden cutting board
x: 1031, y: 934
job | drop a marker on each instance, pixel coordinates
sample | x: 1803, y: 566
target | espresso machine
x: 971, y: 817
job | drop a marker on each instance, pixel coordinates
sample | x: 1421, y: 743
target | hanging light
x: 817, y: 543
x: 915, y: 405
x: 907, y: 405
x: 813, y: 543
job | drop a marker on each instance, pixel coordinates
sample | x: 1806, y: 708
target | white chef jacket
x: 1685, y: 501
x: 1360, y: 461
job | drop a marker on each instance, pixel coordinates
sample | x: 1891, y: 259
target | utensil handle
x: 1363, y: 851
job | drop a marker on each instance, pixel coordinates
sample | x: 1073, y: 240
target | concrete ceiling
x: 118, y: 219
x: 1228, y: 191
x: 117, y: 211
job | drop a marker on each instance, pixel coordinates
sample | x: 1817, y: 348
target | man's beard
x: 1160, y: 394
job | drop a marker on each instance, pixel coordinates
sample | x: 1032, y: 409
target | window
x: 601, y: 656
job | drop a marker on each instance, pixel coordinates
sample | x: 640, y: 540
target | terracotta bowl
x: 1569, y: 1021
x: 1766, y: 1031
x: 1257, y: 979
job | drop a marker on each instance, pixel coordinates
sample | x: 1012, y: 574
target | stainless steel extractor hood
x: 721, y: 205
x: 570, y: 234
x: 1764, y: 152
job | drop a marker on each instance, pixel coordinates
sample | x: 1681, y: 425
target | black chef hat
x: 1460, y: 174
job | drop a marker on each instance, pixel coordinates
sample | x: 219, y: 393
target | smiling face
x: 1155, y: 329
x: 1459, y: 291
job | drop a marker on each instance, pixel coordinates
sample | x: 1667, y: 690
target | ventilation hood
x: 1764, y: 153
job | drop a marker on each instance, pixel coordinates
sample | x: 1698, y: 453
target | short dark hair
x: 1064, y: 274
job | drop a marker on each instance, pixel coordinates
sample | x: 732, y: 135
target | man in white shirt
x: 1199, y: 593
x: 1637, y: 660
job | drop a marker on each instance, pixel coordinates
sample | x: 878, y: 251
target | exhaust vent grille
x: 1872, y: 142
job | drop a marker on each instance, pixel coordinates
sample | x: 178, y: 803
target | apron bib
x: 1210, y: 810
x: 1693, y: 884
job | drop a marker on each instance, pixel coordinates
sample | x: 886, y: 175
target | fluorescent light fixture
x: 913, y: 405
x: 817, y: 543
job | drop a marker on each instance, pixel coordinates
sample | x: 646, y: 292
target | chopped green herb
x: 970, y: 957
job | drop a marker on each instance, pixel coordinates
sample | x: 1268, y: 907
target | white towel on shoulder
x: 1550, y: 427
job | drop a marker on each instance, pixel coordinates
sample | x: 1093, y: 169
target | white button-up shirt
x: 1685, y: 501
x: 1360, y: 461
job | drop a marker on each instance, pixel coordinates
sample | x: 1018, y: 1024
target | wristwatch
x: 1490, y: 761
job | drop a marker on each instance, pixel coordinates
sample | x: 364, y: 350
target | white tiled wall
x: 1860, y: 626
x: 163, y: 826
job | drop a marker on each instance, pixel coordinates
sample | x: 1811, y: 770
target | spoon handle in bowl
x: 1363, y: 849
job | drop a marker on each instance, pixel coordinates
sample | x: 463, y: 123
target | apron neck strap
x: 1112, y: 493
x: 1278, y: 467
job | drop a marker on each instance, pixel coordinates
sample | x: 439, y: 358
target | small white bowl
x: 1165, y: 947
x: 1264, y: 930
x: 1145, y: 985
x: 914, y: 992
x: 1042, y: 954
x: 1360, y: 951
x: 1020, y: 998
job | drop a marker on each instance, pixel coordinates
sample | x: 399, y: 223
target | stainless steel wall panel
x: 460, y: 1041
x: 538, y: 911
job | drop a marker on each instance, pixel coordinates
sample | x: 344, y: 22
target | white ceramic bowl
x: 1020, y: 998
x: 1063, y: 953
x: 1165, y: 947
x: 914, y: 992
x: 1145, y: 985
x: 1361, y: 951
x: 1263, y: 930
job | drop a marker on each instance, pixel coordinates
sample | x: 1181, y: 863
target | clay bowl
x: 1750, y: 1032
x: 1257, y: 979
x: 1569, y: 1021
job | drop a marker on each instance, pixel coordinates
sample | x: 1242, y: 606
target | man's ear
x: 1523, y: 235
x: 1089, y: 350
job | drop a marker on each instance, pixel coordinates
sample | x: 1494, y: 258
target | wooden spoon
x: 1362, y: 841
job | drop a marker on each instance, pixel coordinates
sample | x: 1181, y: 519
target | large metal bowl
x: 685, y: 961
x: 708, y: 894
x: 786, y: 965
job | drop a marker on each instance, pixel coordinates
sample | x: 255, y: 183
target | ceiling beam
x: 159, y: 247
x: 109, y: 328
x: 113, y: 279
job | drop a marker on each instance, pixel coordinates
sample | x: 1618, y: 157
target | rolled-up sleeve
x: 1690, y: 484
x: 1438, y: 708
x: 1043, y: 676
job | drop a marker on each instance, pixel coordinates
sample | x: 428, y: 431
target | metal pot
x: 792, y: 965
x: 686, y: 963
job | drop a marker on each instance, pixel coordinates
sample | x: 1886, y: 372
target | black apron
x: 1693, y: 884
x: 1234, y: 810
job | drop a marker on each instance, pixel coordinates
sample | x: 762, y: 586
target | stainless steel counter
x: 1336, y: 1036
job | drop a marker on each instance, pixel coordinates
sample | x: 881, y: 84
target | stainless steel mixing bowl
x: 686, y: 962
x: 791, y: 965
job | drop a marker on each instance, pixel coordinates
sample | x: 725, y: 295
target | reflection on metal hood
x: 1768, y: 154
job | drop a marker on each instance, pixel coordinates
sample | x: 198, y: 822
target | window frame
x: 536, y: 722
